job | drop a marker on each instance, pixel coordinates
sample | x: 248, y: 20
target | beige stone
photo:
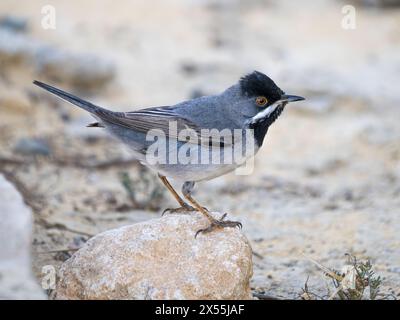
x: 160, y: 259
x: 13, y: 100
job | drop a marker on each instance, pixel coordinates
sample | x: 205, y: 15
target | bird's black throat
x: 261, y: 126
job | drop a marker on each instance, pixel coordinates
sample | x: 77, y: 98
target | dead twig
x: 325, y: 269
x: 70, y: 162
x: 57, y: 251
x: 60, y: 226
x: 12, y: 161
x: 256, y: 254
x: 263, y: 296
x: 105, y: 164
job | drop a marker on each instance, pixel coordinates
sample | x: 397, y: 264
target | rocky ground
x: 326, y: 183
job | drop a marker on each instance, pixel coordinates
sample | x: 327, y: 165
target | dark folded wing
x: 161, y: 118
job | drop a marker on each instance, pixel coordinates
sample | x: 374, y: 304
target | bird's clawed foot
x: 217, y: 224
x: 182, y: 209
x: 185, y: 208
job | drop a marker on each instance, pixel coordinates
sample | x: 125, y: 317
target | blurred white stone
x: 16, y: 280
x: 14, y: 23
x: 84, y: 71
x: 160, y: 259
x: 32, y: 146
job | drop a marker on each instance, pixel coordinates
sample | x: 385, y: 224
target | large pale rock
x: 160, y: 259
x: 16, y: 280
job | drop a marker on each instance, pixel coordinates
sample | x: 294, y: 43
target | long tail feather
x: 90, y: 107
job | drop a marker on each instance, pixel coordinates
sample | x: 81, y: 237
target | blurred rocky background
x: 326, y: 183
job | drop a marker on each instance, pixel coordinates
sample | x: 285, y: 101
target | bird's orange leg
x: 184, y: 207
x: 214, y: 223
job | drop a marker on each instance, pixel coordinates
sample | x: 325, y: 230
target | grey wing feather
x: 151, y: 118
x: 160, y: 118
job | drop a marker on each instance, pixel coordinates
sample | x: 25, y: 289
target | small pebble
x: 32, y: 146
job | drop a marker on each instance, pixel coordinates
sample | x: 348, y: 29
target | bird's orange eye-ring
x: 261, y: 101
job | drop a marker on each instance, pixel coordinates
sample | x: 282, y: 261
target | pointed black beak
x: 290, y: 98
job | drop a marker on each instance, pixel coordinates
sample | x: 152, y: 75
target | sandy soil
x: 327, y: 181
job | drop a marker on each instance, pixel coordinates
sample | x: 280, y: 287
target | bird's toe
x: 183, y: 209
x: 218, y: 224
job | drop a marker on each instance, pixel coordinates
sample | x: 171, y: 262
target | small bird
x: 252, y: 104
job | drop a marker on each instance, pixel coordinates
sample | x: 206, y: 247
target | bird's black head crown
x: 258, y: 84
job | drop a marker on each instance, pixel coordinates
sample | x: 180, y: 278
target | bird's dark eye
x: 261, y: 101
